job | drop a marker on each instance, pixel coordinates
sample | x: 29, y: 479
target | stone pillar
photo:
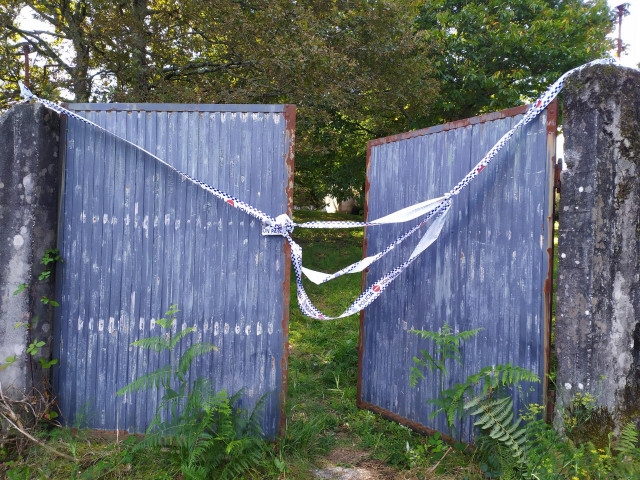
x: 29, y: 186
x: 598, y: 297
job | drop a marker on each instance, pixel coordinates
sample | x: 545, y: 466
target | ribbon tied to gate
x: 433, y: 210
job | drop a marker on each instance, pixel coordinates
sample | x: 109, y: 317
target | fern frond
x: 467, y: 334
x: 497, y: 419
x: 426, y: 334
x: 179, y: 336
x: 157, y: 379
x: 508, y: 465
x: 152, y: 343
x: 193, y: 472
x: 416, y: 374
x: 192, y: 352
x: 169, y: 318
x: 628, y: 441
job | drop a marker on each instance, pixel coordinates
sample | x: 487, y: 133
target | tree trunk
x: 140, y: 40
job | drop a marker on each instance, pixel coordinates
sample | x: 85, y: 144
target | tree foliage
x: 494, y: 54
x: 356, y: 69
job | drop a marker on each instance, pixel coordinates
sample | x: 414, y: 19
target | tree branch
x: 48, y: 18
x: 199, y: 68
x: 38, y: 442
x: 41, y: 46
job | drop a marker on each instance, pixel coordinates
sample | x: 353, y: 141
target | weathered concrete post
x: 29, y: 166
x: 598, y: 301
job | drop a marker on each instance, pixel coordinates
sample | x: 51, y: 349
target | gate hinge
x: 557, y: 170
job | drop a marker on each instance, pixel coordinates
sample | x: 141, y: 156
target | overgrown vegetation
x: 204, y: 436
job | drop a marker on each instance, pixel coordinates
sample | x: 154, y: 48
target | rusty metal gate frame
x: 553, y: 184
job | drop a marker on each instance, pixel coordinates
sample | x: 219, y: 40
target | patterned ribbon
x: 282, y: 225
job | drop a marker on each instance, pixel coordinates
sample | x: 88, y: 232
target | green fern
x: 191, y: 353
x: 509, y: 466
x: 210, y: 437
x: 169, y: 317
x: 179, y: 336
x: 157, y: 344
x: 497, y: 419
x: 447, y: 347
x: 451, y: 401
x: 157, y: 379
x: 627, y: 444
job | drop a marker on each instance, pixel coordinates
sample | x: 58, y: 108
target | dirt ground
x: 345, y: 463
x: 350, y: 463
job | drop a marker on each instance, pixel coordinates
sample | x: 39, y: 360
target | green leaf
x: 47, y: 364
x: 157, y: 379
x: 44, y: 275
x: 192, y: 352
x: 34, y: 347
x: 21, y: 287
x: 280, y: 465
x: 152, y: 343
x: 179, y: 336
x: 50, y: 256
x: 169, y: 317
x: 170, y: 394
x: 10, y: 361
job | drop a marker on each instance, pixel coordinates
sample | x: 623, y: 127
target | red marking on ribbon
x: 481, y: 168
x: 538, y: 103
x: 230, y: 202
x: 376, y: 288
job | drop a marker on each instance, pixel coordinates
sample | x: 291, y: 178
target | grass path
x: 324, y: 424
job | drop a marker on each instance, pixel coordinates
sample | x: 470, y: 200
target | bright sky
x: 630, y: 32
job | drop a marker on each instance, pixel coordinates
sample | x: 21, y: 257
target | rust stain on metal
x: 487, y: 117
x: 415, y: 426
x: 558, y: 177
x: 284, y: 363
x: 364, y: 276
x: 552, y: 127
x: 290, y: 141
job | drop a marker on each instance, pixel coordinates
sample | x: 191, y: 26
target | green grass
x: 98, y: 456
x: 321, y: 400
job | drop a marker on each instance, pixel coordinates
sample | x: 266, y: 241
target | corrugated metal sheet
x: 487, y: 270
x: 136, y: 238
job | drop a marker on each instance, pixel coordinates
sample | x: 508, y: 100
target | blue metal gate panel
x: 489, y: 269
x: 136, y: 238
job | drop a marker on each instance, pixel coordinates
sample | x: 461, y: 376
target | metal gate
x: 490, y: 268
x: 136, y: 238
